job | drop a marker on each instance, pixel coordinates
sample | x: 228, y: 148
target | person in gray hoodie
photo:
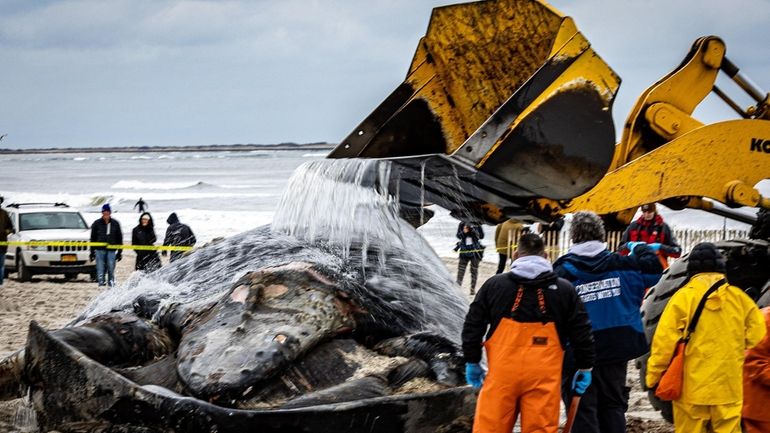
x: 529, y: 316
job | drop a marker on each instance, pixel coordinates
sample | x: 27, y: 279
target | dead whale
x: 265, y: 331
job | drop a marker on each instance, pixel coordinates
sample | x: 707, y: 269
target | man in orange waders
x: 531, y: 315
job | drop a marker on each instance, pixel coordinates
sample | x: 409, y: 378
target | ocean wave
x: 138, y: 184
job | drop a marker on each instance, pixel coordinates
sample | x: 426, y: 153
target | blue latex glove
x: 474, y: 375
x: 581, y: 381
x: 632, y: 245
x: 655, y: 247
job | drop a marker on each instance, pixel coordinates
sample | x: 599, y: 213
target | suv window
x: 51, y: 220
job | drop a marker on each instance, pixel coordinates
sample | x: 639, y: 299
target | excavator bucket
x: 504, y: 102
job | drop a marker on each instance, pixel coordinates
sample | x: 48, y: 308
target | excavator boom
x: 668, y: 156
x: 506, y: 112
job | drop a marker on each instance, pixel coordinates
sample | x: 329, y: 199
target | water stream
x: 339, y: 216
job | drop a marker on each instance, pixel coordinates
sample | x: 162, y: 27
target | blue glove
x: 581, y: 381
x: 655, y: 247
x: 474, y: 375
x: 632, y: 245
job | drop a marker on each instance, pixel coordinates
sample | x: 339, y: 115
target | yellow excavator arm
x: 506, y: 112
x: 666, y: 155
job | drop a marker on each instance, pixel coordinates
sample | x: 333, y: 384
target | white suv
x: 47, y: 222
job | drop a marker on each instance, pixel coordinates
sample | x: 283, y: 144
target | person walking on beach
x: 144, y: 234
x: 532, y: 315
x: 106, y: 230
x: 177, y: 234
x: 142, y: 205
x: 506, y: 234
x: 729, y: 323
x: 470, y: 251
x: 6, y: 228
x: 611, y: 287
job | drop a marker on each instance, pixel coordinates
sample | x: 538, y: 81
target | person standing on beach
x: 177, y: 234
x: 144, y: 234
x: 756, y: 383
x: 470, y: 251
x: 529, y: 316
x: 506, y: 234
x: 6, y: 228
x: 611, y: 287
x: 142, y: 205
x: 651, y: 229
x: 106, y: 230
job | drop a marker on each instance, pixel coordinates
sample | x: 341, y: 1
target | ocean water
x: 218, y: 194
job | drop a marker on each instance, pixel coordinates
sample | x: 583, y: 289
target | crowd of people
x: 567, y: 331
x: 107, y: 230
x: 564, y: 331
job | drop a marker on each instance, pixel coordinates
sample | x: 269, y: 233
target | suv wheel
x: 71, y: 275
x: 22, y: 272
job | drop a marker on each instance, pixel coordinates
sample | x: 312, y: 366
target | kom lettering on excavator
x: 505, y: 112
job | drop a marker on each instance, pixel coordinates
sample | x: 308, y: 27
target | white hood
x: 588, y: 249
x: 531, y: 267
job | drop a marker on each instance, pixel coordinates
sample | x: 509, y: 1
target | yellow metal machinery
x: 666, y: 155
x: 485, y: 120
x: 506, y: 112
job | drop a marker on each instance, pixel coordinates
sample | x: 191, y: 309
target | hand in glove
x: 632, y: 245
x: 474, y: 375
x: 655, y: 247
x: 119, y: 255
x: 581, y: 381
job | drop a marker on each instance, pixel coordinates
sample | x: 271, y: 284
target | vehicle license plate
x: 69, y: 257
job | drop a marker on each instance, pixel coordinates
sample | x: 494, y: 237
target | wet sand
x: 53, y: 302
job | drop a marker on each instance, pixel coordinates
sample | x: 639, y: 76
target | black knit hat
x: 705, y: 257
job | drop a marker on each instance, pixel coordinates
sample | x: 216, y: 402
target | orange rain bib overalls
x: 524, y: 377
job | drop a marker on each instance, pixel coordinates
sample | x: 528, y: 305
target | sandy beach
x: 54, y: 301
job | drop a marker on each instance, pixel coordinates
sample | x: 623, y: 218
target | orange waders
x: 524, y: 376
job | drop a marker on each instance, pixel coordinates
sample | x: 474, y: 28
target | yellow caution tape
x: 95, y: 244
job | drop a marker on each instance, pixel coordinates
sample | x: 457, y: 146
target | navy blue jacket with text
x: 611, y: 287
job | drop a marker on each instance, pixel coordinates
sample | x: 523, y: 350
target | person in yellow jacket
x: 712, y: 389
x: 506, y: 236
x: 756, y: 384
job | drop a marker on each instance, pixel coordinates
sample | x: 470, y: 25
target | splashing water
x: 339, y: 201
x: 339, y: 216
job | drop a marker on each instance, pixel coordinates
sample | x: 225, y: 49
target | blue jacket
x: 611, y: 287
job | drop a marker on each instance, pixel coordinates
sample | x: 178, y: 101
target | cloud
x: 135, y: 72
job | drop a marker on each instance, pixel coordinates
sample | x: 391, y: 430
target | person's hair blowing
x: 587, y: 226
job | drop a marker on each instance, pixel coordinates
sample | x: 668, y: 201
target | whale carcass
x: 265, y: 331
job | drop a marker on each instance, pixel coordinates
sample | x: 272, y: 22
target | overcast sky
x: 148, y: 72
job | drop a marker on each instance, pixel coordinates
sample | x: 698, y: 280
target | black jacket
x: 470, y: 249
x: 99, y: 233
x: 563, y: 307
x: 146, y: 260
x: 178, y: 234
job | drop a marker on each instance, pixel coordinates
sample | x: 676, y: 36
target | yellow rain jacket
x: 501, y: 234
x: 713, y: 362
